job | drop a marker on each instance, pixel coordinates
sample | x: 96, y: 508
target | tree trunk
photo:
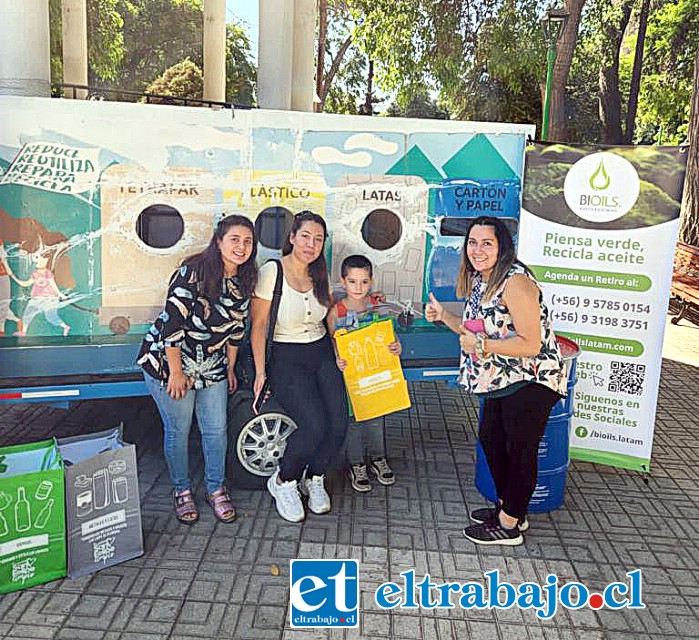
x: 636, y: 73
x: 320, y: 62
x: 610, y: 105
x: 334, y: 67
x: 367, y: 109
x: 689, y: 218
x: 609, y: 96
x: 558, y: 129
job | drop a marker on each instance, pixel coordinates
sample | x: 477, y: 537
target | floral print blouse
x: 495, y: 372
x: 202, y: 328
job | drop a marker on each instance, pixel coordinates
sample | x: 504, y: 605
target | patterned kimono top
x: 202, y: 328
x: 495, y: 372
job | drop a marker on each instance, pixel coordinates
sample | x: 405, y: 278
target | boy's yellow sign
x: 373, y: 377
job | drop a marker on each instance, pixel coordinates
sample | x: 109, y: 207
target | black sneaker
x: 359, y: 478
x: 494, y: 533
x: 490, y: 514
x: 383, y: 472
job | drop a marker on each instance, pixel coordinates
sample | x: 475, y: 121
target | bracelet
x: 479, y: 347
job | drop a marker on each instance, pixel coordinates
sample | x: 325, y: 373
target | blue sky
x: 247, y: 12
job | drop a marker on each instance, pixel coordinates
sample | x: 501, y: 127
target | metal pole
x: 550, y: 62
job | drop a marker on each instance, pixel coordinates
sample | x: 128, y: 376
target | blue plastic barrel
x: 553, y: 456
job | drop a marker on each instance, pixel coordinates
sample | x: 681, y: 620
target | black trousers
x: 306, y: 381
x: 510, y: 430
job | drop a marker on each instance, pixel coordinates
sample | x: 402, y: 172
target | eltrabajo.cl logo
x: 324, y: 593
x: 544, y: 599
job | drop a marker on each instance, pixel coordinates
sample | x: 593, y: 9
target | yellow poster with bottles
x: 373, y: 377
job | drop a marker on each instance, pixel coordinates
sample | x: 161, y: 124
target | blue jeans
x: 365, y: 438
x: 210, y: 405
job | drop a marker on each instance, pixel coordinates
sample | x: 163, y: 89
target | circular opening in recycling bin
x: 160, y: 226
x: 272, y: 225
x: 381, y: 229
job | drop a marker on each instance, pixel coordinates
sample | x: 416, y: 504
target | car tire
x: 256, y: 442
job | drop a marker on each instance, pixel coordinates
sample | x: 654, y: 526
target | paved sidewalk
x: 231, y: 581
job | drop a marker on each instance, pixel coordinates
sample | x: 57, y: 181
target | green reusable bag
x: 32, y: 515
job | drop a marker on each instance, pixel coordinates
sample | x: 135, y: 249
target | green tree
x: 105, y: 27
x: 157, y: 35
x: 133, y: 42
x: 182, y: 80
x: 689, y: 219
x: 672, y: 42
x: 500, y: 79
x: 340, y: 64
x: 105, y: 43
x: 420, y: 106
x: 485, y: 57
x: 240, y: 69
x: 56, y: 38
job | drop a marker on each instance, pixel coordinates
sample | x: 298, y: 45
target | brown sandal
x: 186, y: 509
x: 221, y: 504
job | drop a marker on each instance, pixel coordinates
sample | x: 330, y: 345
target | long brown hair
x: 318, y: 269
x: 208, y: 264
x: 506, y: 258
x: 32, y: 237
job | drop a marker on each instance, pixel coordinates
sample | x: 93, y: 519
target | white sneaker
x: 318, y: 498
x: 287, y: 498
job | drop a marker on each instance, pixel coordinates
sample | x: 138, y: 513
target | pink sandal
x: 186, y: 509
x: 221, y: 504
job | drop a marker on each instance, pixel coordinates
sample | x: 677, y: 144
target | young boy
x: 367, y: 437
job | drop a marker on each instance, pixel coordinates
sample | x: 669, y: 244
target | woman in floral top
x: 188, y: 358
x: 510, y: 357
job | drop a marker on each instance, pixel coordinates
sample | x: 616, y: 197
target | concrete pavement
x: 232, y: 581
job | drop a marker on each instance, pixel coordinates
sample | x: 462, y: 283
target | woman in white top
x: 303, y: 374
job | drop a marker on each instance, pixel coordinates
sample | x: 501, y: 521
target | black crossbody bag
x: 271, y: 324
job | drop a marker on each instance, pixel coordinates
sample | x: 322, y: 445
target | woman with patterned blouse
x: 510, y: 358
x: 188, y: 358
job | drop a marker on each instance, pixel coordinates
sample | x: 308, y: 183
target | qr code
x: 627, y: 377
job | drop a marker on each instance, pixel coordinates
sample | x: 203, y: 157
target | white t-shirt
x: 300, y: 317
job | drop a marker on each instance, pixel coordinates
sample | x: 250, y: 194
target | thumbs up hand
x: 434, y: 312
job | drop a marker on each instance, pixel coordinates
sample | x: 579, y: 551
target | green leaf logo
x: 599, y: 180
x: 3, y: 467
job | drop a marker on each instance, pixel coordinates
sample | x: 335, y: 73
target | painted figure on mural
x: 43, y: 266
x: 6, y: 273
x: 45, y: 296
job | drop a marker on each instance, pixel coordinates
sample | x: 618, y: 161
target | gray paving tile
x: 31, y: 632
x: 216, y: 581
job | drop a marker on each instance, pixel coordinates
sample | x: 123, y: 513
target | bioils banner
x: 598, y: 228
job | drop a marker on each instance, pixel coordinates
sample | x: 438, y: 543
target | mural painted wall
x: 100, y: 201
